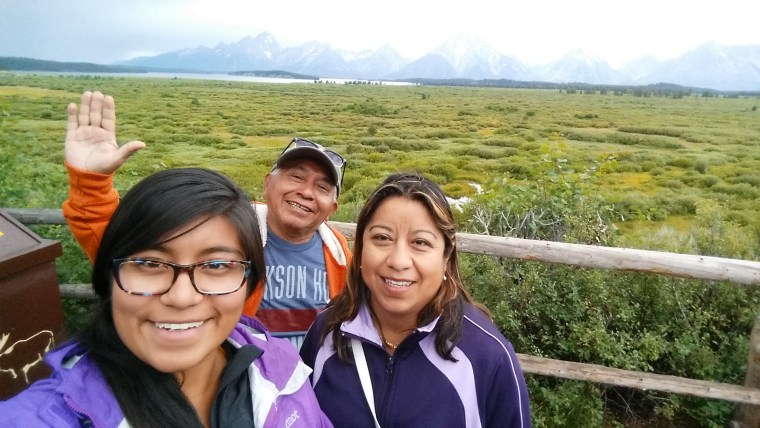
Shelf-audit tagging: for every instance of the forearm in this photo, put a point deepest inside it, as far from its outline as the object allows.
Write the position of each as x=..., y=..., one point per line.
x=91, y=202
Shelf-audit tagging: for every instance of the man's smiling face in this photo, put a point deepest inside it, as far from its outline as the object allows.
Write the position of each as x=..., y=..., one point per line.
x=300, y=197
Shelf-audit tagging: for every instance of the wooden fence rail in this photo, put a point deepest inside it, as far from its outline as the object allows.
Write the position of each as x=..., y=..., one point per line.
x=590, y=256
x=655, y=262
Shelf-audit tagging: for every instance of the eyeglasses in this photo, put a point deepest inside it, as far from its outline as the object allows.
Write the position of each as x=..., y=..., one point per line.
x=148, y=277
x=335, y=157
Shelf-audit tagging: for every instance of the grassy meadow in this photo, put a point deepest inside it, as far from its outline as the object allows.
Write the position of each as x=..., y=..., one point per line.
x=660, y=155
x=671, y=173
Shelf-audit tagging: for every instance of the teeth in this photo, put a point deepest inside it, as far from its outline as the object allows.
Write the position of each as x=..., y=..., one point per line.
x=183, y=326
x=398, y=283
x=299, y=206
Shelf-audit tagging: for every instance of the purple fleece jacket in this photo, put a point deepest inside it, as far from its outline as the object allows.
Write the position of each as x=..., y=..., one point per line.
x=415, y=387
x=77, y=393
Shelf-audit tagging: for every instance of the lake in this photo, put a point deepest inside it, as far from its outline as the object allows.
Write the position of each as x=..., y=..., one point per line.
x=218, y=76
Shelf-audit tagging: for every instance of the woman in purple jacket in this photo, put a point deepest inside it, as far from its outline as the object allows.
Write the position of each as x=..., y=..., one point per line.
x=404, y=344
x=166, y=346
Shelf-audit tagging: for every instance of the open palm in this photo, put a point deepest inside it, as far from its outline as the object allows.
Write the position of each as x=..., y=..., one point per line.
x=91, y=136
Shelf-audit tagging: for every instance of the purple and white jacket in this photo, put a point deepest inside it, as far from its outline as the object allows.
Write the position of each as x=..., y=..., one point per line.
x=415, y=387
x=76, y=394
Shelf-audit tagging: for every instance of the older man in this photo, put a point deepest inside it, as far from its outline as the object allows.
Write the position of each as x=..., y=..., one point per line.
x=305, y=258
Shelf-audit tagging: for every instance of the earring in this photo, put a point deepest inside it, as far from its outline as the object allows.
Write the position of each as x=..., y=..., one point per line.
x=444, y=276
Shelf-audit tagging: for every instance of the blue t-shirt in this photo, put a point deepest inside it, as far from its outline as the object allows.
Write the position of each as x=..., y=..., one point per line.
x=296, y=286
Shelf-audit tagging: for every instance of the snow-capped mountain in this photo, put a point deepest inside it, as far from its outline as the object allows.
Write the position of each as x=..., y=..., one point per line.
x=250, y=53
x=465, y=57
x=315, y=58
x=368, y=62
x=430, y=66
x=712, y=66
x=640, y=68
x=473, y=58
x=583, y=67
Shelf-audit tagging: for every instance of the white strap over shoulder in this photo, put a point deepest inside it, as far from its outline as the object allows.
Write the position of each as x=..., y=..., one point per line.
x=332, y=243
x=261, y=214
x=361, y=367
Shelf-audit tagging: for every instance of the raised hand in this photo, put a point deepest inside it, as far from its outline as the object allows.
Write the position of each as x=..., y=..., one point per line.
x=91, y=136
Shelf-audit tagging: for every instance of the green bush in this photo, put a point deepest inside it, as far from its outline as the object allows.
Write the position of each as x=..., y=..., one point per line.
x=741, y=190
x=481, y=153
x=632, y=321
x=681, y=162
x=668, y=132
x=708, y=181
x=369, y=108
x=751, y=179
x=701, y=166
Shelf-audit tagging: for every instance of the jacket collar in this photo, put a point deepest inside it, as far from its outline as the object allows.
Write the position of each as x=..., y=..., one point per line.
x=329, y=239
x=363, y=327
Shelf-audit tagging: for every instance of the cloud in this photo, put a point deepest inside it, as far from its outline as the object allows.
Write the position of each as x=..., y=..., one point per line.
x=533, y=31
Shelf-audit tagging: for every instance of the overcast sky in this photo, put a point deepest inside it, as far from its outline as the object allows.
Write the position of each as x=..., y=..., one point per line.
x=533, y=31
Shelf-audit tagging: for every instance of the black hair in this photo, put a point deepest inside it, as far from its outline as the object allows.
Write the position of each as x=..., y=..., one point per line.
x=152, y=211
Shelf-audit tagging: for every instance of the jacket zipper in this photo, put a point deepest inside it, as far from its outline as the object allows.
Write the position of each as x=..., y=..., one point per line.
x=77, y=410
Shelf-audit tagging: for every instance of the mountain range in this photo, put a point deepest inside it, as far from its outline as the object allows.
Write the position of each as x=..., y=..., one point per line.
x=713, y=66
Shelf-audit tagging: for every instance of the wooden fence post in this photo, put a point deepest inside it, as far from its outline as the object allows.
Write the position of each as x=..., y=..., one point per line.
x=748, y=415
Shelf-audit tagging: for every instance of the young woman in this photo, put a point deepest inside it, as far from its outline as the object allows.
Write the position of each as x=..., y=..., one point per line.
x=404, y=344
x=167, y=346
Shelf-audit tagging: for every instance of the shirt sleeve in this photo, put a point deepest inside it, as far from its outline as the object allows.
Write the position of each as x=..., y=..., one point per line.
x=254, y=300
x=91, y=202
x=507, y=401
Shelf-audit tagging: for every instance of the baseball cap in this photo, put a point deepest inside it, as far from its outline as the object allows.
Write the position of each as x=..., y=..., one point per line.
x=332, y=162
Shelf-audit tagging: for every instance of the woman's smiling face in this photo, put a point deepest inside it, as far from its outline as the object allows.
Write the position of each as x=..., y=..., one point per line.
x=402, y=260
x=181, y=329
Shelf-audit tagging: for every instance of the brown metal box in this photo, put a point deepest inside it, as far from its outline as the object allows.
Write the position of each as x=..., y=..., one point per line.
x=31, y=314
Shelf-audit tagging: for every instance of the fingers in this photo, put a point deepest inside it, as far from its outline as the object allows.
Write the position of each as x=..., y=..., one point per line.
x=84, y=109
x=109, y=114
x=130, y=148
x=96, y=109
x=71, y=123
x=124, y=153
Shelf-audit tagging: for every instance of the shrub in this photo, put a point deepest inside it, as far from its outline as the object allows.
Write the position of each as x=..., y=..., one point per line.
x=440, y=134
x=751, y=179
x=701, y=166
x=681, y=162
x=673, y=183
x=369, y=108
x=715, y=235
x=633, y=321
x=742, y=190
x=708, y=181
x=668, y=132
x=503, y=143
x=477, y=152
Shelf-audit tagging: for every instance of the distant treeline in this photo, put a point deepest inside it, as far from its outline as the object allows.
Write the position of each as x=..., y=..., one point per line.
x=29, y=64
x=656, y=89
